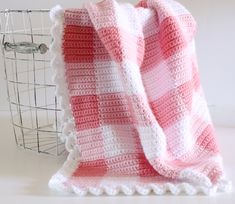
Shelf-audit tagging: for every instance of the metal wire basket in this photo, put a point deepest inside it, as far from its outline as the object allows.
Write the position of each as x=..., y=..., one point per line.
x=25, y=38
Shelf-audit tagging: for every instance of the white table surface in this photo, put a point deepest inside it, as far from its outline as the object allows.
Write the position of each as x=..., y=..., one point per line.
x=24, y=176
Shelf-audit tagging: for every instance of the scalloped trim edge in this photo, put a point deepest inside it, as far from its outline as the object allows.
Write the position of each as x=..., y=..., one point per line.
x=59, y=180
x=130, y=186
x=62, y=93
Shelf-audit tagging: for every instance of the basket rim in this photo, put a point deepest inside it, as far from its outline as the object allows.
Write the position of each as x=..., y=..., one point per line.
x=24, y=10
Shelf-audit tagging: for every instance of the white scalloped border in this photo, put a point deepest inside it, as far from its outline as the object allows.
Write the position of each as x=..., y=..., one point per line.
x=57, y=63
x=59, y=180
x=113, y=186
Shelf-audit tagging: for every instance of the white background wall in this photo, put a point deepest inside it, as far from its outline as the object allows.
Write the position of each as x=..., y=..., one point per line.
x=215, y=44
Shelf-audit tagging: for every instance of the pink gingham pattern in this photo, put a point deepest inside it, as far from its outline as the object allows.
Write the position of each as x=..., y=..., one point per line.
x=134, y=116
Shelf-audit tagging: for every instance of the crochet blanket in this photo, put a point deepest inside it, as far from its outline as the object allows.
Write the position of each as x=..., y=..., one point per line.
x=134, y=114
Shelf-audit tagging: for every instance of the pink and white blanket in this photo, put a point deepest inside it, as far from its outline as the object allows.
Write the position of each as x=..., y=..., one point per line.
x=134, y=114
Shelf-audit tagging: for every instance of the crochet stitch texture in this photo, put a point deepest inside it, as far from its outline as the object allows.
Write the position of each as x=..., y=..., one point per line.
x=134, y=114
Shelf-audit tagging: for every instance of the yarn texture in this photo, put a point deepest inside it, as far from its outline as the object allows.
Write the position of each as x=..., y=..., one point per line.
x=134, y=114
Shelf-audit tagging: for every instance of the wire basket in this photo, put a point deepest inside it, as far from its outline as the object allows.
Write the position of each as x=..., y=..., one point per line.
x=25, y=37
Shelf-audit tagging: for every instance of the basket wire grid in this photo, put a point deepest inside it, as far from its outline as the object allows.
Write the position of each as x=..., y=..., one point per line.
x=25, y=38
